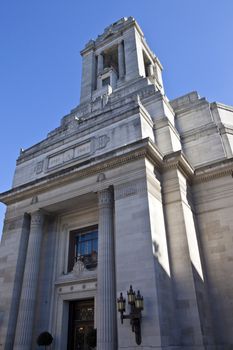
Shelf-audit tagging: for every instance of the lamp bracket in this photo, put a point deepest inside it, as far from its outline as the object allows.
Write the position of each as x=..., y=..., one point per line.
x=134, y=316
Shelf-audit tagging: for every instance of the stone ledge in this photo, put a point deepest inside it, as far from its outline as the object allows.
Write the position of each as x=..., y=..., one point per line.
x=94, y=165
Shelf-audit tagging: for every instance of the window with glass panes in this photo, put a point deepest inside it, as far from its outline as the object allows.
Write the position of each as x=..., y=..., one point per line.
x=86, y=243
x=83, y=246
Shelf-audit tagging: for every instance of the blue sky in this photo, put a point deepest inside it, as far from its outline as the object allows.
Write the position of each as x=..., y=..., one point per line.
x=40, y=65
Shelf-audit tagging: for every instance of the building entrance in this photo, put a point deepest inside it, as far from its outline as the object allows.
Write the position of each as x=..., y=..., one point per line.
x=81, y=324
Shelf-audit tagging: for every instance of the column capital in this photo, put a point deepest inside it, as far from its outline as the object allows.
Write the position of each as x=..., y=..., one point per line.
x=37, y=217
x=105, y=197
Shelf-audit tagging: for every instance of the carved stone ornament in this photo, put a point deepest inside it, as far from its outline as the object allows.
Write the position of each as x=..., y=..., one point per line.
x=101, y=177
x=37, y=218
x=105, y=198
x=78, y=151
x=130, y=189
x=39, y=167
x=78, y=268
x=34, y=200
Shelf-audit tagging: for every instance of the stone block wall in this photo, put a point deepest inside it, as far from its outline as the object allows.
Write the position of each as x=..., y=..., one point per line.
x=214, y=205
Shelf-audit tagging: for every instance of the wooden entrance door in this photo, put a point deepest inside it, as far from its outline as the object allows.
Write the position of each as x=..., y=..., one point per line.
x=81, y=322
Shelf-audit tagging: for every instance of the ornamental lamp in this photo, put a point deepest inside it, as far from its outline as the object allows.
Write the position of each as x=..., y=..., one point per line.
x=121, y=303
x=135, y=315
x=139, y=304
x=131, y=296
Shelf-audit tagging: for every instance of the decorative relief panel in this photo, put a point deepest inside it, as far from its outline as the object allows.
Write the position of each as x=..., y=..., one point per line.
x=78, y=151
x=39, y=167
x=130, y=189
x=83, y=268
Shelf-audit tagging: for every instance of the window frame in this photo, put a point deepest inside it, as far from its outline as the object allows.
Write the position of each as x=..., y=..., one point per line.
x=72, y=243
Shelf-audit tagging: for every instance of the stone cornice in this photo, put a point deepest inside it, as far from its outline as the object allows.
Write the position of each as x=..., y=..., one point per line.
x=205, y=129
x=68, y=279
x=155, y=97
x=226, y=129
x=95, y=121
x=162, y=122
x=213, y=171
x=145, y=115
x=139, y=149
x=144, y=148
x=185, y=108
x=177, y=160
x=222, y=106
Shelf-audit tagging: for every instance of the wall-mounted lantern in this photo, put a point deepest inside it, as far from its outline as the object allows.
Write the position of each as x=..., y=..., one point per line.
x=136, y=306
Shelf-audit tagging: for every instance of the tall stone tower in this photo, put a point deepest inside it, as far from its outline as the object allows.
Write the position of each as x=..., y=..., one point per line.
x=130, y=189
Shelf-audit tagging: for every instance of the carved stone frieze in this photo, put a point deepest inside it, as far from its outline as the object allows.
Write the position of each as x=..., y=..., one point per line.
x=130, y=189
x=78, y=151
x=138, y=150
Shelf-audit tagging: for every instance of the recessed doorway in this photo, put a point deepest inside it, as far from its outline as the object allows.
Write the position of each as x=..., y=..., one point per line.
x=81, y=324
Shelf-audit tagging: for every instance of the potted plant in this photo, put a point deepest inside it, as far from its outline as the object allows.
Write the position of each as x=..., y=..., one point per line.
x=44, y=339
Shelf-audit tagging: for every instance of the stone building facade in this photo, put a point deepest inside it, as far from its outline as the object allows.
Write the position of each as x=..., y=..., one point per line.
x=130, y=189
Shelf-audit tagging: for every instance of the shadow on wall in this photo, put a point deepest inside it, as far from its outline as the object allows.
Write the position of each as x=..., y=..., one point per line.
x=203, y=307
x=170, y=309
x=166, y=302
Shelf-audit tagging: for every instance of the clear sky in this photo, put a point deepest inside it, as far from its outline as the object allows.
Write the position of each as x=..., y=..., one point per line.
x=40, y=65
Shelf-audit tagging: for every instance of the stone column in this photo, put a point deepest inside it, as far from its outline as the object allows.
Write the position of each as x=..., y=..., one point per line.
x=22, y=227
x=106, y=294
x=100, y=64
x=25, y=320
x=121, y=60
